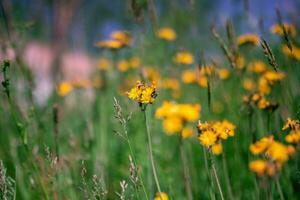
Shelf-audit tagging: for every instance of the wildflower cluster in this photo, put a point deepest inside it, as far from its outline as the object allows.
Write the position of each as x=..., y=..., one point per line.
x=212, y=133
x=142, y=93
x=118, y=39
x=176, y=116
x=274, y=155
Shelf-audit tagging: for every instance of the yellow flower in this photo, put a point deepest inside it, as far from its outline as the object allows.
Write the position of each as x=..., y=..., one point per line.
x=184, y=58
x=172, y=125
x=257, y=67
x=122, y=36
x=258, y=166
x=272, y=76
x=123, y=65
x=188, y=76
x=171, y=83
x=295, y=54
x=104, y=64
x=142, y=93
x=263, y=86
x=189, y=112
x=223, y=73
x=187, y=132
x=248, y=39
x=202, y=81
x=208, y=138
x=166, y=33
x=293, y=137
x=248, y=84
x=161, y=196
x=152, y=74
x=261, y=146
x=278, y=152
x=263, y=103
x=277, y=29
x=64, y=88
x=110, y=44
x=217, y=149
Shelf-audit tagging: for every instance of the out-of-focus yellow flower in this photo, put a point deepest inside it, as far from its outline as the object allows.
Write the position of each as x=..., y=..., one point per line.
x=211, y=133
x=172, y=125
x=291, y=124
x=248, y=39
x=278, y=152
x=208, y=138
x=263, y=103
x=202, y=81
x=123, y=65
x=104, y=63
x=217, y=149
x=258, y=166
x=110, y=44
x=175, y=115
x=277, y=29
x=206, y=70
x=134, y=62
x=248, y=84
x=257, y=67
x=64, y=88
x=142, y=93
x=293, y=137
x=272, y=76
x=161, y=196
x=122, y=36
x=261, y=145
x=184, y=58
x=263, y=86
x=187, y=132
x=295, y=54
x=166, y=33
x=188, y=76
x=223, y=74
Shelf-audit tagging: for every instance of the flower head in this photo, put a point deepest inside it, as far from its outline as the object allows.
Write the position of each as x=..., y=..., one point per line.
x=64, y=88
x=248, y=39
x=278, y=30
x=143, y=94
x=184, y=58
x=161, y=196
x=166, y=33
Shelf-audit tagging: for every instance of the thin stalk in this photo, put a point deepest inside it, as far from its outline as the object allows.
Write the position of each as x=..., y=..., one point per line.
x=208, y=174
x=228, y=183
x=186, y=172
x=151, y=153
x=217, y=178
x=279, y=189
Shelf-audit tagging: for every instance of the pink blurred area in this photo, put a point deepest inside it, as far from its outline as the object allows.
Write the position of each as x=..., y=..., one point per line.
x=41, y=57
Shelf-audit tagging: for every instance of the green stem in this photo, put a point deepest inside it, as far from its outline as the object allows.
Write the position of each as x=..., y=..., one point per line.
x=279, y=189
x=151, y=153
x=217, y=178
x=186, y=173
